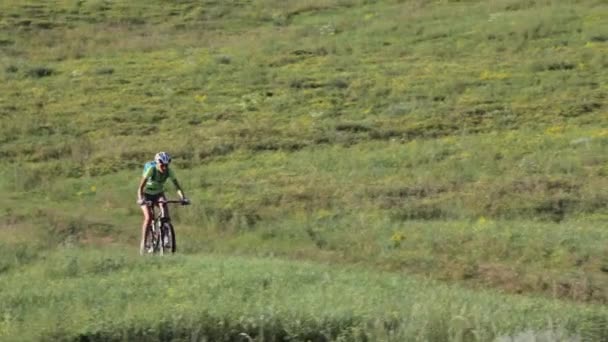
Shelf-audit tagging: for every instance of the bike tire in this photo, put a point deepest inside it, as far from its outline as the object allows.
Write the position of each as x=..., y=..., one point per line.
x=158, y=237
x=150, y=241
x=170, y=233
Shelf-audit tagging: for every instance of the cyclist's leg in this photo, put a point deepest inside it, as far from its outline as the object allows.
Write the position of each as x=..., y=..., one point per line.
x=164, y=208
x=164, y=214
x=147, y=211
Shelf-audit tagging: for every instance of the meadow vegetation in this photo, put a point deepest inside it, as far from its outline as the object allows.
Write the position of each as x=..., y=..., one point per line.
x=360, y=169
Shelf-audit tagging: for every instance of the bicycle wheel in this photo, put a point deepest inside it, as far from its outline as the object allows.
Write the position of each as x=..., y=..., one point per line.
x=157, y=237
x=150, y=241
x=168, y=238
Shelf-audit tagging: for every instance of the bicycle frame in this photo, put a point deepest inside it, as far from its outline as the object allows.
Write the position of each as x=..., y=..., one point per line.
x=160, y=234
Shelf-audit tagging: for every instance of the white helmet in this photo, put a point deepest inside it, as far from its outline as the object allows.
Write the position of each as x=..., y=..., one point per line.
x=163, y=158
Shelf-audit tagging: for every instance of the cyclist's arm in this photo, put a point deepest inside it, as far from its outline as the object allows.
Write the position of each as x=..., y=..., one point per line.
x=142, y=184
x=140, y=190
x=180, y=192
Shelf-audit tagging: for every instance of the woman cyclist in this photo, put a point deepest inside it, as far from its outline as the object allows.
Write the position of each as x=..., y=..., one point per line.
x=151, y=190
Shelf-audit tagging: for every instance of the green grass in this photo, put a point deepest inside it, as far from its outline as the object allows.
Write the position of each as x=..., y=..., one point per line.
x=110, y=295
x=463, y=142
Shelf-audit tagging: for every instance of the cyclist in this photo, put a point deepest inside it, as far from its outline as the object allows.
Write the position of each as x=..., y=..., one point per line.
x=151, y=189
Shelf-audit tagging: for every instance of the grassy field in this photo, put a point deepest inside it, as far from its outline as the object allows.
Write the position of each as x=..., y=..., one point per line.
x=430, y=170
x=111, y=295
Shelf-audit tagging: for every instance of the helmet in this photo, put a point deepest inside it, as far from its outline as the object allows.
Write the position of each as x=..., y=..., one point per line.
x=163, y=158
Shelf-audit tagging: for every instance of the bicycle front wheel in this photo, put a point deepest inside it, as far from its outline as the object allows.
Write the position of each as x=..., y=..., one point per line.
x=168, y=238
x=151, y=241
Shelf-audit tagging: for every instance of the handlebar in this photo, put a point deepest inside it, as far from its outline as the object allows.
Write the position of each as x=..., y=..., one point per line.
x=175, y=201
x=150, y=203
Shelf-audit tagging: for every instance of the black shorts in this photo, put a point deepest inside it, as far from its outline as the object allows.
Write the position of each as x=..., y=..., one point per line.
x=154, y=198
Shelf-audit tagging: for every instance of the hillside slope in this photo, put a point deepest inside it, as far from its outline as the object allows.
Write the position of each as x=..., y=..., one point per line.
x=464, y=141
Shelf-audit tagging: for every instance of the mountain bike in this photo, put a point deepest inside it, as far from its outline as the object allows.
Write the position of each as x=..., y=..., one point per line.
x=160, y=234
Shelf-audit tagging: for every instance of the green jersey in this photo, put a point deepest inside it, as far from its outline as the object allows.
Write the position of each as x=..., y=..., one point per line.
x=155, y=180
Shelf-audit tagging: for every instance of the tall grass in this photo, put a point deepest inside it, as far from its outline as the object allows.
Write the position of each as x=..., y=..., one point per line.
x=113, y=296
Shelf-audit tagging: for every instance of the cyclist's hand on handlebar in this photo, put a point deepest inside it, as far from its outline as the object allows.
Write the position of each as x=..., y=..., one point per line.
x=140, y=201
x=185, y=201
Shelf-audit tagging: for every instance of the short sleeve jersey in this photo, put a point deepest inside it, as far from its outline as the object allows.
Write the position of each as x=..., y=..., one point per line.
x=155, y=180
